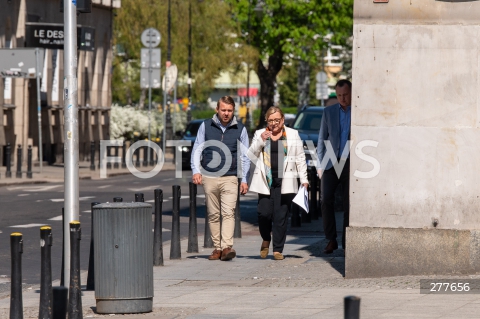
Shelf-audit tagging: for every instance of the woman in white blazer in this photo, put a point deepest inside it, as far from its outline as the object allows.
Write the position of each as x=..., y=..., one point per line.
x=277, y=152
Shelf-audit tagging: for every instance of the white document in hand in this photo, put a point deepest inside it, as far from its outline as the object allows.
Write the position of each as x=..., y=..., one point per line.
x=301, y=199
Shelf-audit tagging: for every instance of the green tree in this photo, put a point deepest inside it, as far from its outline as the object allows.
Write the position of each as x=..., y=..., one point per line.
x=215, y=46
x=287, y=29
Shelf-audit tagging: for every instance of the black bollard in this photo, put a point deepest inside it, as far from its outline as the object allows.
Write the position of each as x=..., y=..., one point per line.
x=137, y=157
x=109, y=151
x=92, y=155
x=75, y=292
x=192, y=225
x=91, y=260
x=60, y=298
x=175, y=252
x=117, y=199
x=352, y=307
x=237, y=233
x=124, y=154
x=8, y=173
x=19, y=162
x=152, y=161
x=157, y=234
x=116, y=165
x=139, y=197
x=296, y=219
x=145, y=156
x=207, y=239
x=46, y=292
x=314, y=195
x=16, y=300
x=29, y=162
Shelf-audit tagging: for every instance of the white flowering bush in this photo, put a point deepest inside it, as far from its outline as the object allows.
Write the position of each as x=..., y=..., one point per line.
x=126, y=120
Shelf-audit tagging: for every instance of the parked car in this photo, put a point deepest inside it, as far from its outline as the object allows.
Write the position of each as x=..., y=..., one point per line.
x=307, y=123
x=190, y=134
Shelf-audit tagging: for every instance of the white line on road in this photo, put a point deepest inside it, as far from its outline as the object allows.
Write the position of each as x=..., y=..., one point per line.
x=34, y=188
x=182, y=197
x=57, y=218
x=104, y=186
x=86, y=211
x=56, y=200
x=27, y=226
x=21, y=195
x=148, y=188
x=153, y=201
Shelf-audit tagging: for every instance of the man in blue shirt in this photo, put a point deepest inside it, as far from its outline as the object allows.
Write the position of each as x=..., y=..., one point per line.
x=335, y=129
x=214, y=165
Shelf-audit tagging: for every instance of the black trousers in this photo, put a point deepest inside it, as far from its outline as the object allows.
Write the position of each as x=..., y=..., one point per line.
x=329, y=183
x=273, y=215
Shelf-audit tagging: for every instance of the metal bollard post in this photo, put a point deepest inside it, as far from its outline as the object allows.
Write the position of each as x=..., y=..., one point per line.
x=117, y=199
x=16, y=300
x=109, y=152
x=314, y=195
x=19, y=162
x=29, y=162
x=139, y=197
x=92, y=155
x=352, y=307
x=8, y=173
x=175, y=252
x=152, y=161
x=137, y=157
x=75, y=292
x=60, y=297
x=207, y=239
x=116, y=165
x=91, y=260
x=124, y=154
x=192, y=225
x=46, y=292
x=237, y=233
x=296, y=219
x=157, y=234
x=145, y=154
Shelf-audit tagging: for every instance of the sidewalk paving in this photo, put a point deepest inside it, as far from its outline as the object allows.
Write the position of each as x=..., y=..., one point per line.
x=306, y=284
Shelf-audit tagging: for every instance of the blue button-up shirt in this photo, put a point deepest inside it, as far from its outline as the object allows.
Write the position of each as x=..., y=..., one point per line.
x=345, y=119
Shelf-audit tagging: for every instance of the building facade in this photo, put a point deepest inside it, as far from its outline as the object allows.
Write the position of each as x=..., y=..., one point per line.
x=39, y=23
x=415, y=190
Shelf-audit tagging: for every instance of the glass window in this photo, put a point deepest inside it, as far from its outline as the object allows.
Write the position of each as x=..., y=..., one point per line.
x=309, y=121
x=192, y=129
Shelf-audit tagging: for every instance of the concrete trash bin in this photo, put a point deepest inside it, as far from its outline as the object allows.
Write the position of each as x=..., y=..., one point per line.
x=123, y=254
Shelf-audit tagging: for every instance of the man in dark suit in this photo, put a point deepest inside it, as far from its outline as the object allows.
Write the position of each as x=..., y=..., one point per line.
x=334, y=161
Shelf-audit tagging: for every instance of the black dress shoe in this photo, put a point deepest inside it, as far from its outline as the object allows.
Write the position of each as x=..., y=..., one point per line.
x=331, y=246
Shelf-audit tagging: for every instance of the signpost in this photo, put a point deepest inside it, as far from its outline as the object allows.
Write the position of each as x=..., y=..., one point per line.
x=25, y=63
x=150, y=63
x=167, y=85
x=321, y=87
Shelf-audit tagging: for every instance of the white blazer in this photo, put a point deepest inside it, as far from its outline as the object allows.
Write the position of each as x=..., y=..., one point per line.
x=294, y=165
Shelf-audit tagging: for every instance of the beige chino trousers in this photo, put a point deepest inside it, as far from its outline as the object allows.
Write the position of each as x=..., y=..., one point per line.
x=221, y=197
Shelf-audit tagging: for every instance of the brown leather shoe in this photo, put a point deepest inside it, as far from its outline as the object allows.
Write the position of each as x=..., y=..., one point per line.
x=216, y=254
x=228, y=254
x=331, y=246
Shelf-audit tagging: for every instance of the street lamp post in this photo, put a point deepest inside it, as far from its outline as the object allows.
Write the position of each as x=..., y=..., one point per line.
x=168, y=119
x=247, y=94
x=189, y=109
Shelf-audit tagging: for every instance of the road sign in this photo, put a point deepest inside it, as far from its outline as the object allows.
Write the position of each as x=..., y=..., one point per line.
x=321, y=91
x=151, y=37
x=155, y=58
x=155, y=78
x=171, y=77
x=321, y=77
x=21, y=63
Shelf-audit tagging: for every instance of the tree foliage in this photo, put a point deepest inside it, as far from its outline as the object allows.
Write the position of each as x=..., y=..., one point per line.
x=290, y=29
x=215, y=46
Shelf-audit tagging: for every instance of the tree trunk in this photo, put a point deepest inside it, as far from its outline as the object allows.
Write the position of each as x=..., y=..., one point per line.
x=268, y=79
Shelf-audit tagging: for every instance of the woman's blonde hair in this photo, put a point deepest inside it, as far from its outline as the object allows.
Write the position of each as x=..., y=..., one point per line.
x=273, y=109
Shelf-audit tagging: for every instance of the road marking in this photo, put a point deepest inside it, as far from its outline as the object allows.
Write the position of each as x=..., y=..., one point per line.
x=182, y=197
x=163, y=230
x=57, y=218
x=86, y=211
x=148, y=188
x=34, y=188
x=21, y=195
x=27, y=226
x=39, y=200
x=104, y=186
x=153, y=201
x=57, y=200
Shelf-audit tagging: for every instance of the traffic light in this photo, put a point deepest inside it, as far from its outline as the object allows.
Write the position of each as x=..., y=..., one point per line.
x=83, y=6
